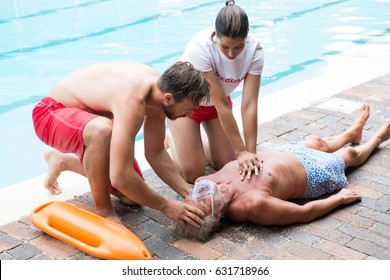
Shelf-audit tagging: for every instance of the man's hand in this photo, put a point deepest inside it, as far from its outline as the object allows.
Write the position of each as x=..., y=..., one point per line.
x=183, y=213
x=248, y=164
x=349, y=196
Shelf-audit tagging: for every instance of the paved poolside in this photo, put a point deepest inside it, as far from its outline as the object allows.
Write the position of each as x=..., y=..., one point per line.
x=354, y=232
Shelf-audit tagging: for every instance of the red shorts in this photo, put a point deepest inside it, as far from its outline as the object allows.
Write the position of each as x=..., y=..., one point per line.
x=207, y=113
x=61, y=127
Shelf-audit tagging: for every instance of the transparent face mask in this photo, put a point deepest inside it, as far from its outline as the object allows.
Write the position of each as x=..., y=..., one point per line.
x=202, y=190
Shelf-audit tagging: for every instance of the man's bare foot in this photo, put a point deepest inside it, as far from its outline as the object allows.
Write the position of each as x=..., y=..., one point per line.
x=383, y=133
x=358, y=123
x=112, y=217
x=124, y=199
x=54, y=161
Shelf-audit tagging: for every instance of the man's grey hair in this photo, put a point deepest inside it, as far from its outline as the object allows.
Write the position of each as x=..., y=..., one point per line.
x=203, y=233
x=209, y=226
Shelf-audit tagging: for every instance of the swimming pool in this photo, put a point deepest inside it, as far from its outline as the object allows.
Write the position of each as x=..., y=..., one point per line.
x=41, y=41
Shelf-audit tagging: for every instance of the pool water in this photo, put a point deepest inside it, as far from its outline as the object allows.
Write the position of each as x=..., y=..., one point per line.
x=41, y=41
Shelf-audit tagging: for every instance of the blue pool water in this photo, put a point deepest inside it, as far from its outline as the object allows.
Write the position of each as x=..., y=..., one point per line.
x=41, y=41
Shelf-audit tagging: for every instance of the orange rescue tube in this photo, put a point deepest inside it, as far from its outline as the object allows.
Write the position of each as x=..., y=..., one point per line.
x=88, y=232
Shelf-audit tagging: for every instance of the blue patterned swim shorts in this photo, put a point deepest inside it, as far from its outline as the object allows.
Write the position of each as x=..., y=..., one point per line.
x=325, y=171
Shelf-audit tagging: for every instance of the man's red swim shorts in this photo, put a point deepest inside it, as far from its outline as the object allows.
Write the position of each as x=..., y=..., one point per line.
x=61, y=127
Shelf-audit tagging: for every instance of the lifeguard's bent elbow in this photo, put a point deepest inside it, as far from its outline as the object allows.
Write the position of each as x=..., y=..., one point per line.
x=120, y=182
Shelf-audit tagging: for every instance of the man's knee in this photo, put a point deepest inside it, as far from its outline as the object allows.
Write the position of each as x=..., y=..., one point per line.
x=317, y=143
x=98, y=130
x=350, y=156
x=351, y=153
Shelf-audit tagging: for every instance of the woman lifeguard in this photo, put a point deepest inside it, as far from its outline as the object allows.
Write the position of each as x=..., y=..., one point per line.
x=227, y=55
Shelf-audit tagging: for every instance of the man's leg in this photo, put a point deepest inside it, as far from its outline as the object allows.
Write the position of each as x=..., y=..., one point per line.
x=58, y=162
x=352, y=135
x=96, y=162
x=356, y=156
x=95, y=165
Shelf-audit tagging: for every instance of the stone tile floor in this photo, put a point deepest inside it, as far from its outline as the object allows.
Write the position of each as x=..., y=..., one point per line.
x=354, y=232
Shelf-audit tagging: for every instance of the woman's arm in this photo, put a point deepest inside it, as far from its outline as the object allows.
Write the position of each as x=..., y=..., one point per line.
x=248, y=162
x=249, y=105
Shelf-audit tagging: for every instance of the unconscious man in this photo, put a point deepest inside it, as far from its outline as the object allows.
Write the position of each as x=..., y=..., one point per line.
x=306, y=170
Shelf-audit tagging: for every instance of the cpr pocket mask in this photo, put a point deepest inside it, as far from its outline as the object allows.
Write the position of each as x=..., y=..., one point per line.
x=202, y=190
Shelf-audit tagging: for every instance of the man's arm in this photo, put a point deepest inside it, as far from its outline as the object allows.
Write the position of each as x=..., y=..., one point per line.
x=123, y=176
x=158, y=157
x=268, y=210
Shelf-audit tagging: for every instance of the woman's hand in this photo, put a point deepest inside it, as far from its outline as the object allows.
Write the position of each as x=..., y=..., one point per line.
x=248, y=164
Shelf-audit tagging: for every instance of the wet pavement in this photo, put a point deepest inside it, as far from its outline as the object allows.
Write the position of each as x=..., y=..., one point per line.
x=354, y=232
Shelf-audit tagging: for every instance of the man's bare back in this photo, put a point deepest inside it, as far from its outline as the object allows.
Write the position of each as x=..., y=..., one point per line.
x=99, y=87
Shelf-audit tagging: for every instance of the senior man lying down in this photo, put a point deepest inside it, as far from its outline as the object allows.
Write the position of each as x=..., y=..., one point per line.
x=306, y=170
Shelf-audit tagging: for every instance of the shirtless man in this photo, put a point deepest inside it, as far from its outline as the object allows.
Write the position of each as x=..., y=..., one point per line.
x=305, y=170
x=96, y=112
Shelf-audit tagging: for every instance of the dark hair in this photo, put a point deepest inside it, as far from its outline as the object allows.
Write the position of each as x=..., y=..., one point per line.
x=232, y=21
x=184, y=81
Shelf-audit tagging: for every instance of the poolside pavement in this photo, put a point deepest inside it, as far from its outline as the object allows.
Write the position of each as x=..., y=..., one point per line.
x=359, y=231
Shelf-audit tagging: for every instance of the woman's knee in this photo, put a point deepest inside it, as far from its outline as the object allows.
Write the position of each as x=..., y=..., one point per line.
x=193, y=172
